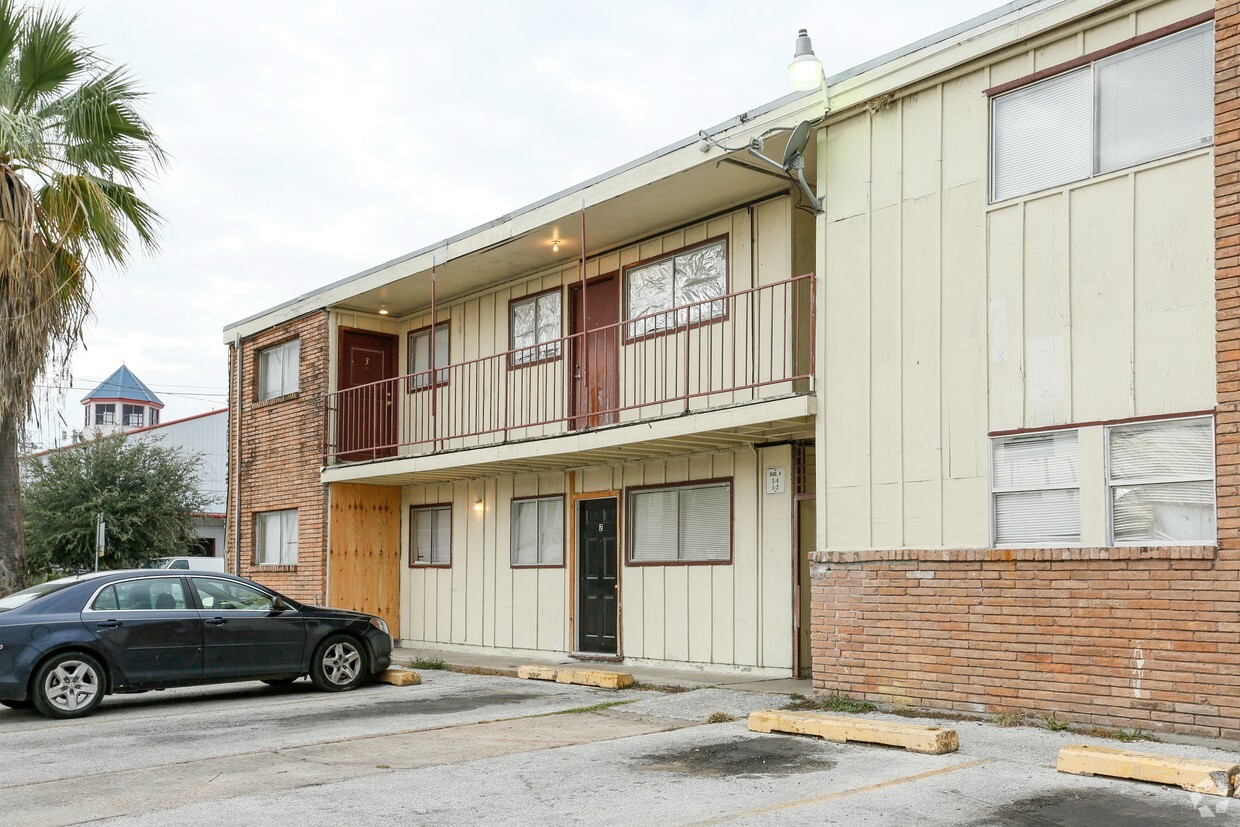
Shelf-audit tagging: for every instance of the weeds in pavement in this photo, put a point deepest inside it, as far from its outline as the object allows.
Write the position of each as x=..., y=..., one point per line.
x=828, y=703
x=719, y=717
x=426, y=663
x=1008, y=719
x=663, y=687
x=1125, y=735
x=1053, y=724
x=580, y=709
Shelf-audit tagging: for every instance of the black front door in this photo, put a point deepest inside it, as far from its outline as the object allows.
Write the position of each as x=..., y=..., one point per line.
x=244, y=633
x=597, y=585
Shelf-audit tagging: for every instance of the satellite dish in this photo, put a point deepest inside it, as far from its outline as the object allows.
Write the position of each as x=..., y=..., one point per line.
x=796, y=144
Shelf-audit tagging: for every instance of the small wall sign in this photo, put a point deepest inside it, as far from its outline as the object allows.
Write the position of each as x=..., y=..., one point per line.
x=775, y=480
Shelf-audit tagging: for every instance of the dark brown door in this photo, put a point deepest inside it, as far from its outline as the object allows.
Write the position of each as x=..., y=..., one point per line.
x=597, y=584
x=596, y=353
x=366, y=407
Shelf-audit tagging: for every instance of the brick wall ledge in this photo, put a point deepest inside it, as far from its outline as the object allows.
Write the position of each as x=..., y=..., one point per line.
x=1003, y=555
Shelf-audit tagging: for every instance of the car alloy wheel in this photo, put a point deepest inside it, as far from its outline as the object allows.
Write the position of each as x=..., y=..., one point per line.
x=69, y=686
x=340, y=664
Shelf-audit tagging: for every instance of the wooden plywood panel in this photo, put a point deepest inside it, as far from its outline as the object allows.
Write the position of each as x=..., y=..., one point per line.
x=847, y=371
x=886, y=158
x=966, y=504
x=504, y=588
x=885, y=441
x=965, y=119
x=964, y=330
x=923, y=508
x=1174, y=291
x=365, y=550
x=1048, y=316
x=775, y=547
x=848, y=168
x=551, y=609
x=1005, y=314
x=745, y=562
x=921, y=122
x=1057, y=51
x=1102, y=301
x=921, y=377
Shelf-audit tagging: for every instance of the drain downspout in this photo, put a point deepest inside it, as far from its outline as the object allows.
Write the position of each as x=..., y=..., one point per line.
x=236, y=475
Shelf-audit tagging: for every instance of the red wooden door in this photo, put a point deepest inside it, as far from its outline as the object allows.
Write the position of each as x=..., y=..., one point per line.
x=595, y=379
x=366, y=408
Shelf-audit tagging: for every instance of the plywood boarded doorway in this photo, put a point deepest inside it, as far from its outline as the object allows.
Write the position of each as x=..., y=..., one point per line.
x=364, y=558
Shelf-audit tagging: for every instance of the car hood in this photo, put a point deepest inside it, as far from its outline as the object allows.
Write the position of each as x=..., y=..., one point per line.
x=341, y=614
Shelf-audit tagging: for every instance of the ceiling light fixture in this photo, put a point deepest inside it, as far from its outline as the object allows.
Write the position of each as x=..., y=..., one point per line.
x=555, y=245
x=383, y=311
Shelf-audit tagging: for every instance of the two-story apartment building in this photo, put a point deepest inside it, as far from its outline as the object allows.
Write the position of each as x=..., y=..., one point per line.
x=975, y=398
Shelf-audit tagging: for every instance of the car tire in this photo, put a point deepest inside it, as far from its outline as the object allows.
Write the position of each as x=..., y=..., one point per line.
x=68, y=685
x=339, y=664
x=17, y=704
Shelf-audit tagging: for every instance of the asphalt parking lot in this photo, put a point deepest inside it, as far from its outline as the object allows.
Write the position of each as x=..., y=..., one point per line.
x=467, y=749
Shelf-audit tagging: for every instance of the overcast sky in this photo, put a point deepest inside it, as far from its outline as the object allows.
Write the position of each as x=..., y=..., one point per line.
x=311, y=140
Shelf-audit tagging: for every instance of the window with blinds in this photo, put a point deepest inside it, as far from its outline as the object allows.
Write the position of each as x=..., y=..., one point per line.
x=420, y=356
x=687, y=524
x=1144, y=103
x=538, y=532
x=430, y=542
x=1160, y=478
x=275, y=538
x=278, y=369
x=1035, y=484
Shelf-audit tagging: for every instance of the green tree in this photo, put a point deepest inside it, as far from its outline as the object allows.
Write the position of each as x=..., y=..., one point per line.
x=147, y=492
x=74, y=156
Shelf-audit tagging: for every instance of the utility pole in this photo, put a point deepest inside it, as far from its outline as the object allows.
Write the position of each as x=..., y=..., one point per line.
x=101, y=539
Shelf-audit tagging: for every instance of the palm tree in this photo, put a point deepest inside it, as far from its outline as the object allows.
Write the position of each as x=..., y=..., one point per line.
x=74, y=155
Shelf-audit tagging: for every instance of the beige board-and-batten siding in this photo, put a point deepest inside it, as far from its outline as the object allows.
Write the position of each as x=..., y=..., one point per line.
x=767, y=242
x=734, y=614
x=948, y=317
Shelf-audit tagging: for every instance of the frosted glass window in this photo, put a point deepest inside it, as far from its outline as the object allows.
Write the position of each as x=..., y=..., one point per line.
x=1156, y=100
x=538, y=532
x=1161, y=481
x=278, y=369
x=687, y=280
x=276, y=538
x=420, y=356
x=1036, y=488
x=431, y=542
x=535, y=328
x=687, y=524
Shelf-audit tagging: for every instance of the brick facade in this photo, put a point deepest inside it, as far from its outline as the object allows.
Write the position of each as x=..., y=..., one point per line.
x=1132, y=637
x=281, y=453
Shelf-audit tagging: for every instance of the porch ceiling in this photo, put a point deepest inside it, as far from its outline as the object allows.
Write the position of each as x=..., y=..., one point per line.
x=774, y=420
x=702, y=190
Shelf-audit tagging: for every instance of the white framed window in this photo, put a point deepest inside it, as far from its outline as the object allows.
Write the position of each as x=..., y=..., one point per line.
x=105, y=414
x=690, y=277
x=275, y=538
x=420, y=356
x=538, y=531
x=535, y=325
x=1035, y=489
x=1144, y=103
x=279, y=369
x=430, y=535
x=1160, y=482
x=681, y=524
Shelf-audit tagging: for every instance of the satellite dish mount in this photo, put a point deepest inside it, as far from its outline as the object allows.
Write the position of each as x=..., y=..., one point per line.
x=793, y=164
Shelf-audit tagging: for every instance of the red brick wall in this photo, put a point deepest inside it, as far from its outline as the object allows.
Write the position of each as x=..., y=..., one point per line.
x=281, y=452
x=1145, y=638
x=1130, y=637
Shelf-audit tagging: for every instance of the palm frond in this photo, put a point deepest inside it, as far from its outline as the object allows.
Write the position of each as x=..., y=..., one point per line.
x=49, y=54
x=11, y=18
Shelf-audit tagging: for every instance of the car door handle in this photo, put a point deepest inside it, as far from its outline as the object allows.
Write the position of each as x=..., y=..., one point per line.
x=214, y=621
x=107, y=624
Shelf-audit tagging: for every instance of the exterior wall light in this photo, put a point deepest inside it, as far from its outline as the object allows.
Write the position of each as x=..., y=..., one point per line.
x=805, y=68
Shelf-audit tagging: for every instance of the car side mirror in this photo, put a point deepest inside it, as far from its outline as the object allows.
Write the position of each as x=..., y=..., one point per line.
x=281, y=605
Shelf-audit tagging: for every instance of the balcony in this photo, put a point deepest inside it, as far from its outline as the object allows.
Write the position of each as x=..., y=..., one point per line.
x=742, y=349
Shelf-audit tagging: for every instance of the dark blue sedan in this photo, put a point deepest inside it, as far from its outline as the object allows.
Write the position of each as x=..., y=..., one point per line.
x=67, y=643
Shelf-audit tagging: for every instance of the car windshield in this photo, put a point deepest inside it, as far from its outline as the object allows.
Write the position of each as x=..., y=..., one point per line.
x=18, y=599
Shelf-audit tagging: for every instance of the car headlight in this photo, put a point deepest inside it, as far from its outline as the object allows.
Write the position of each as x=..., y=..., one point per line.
x=380, y=624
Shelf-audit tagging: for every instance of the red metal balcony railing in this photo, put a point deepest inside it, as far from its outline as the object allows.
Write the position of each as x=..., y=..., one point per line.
x=734, y=349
